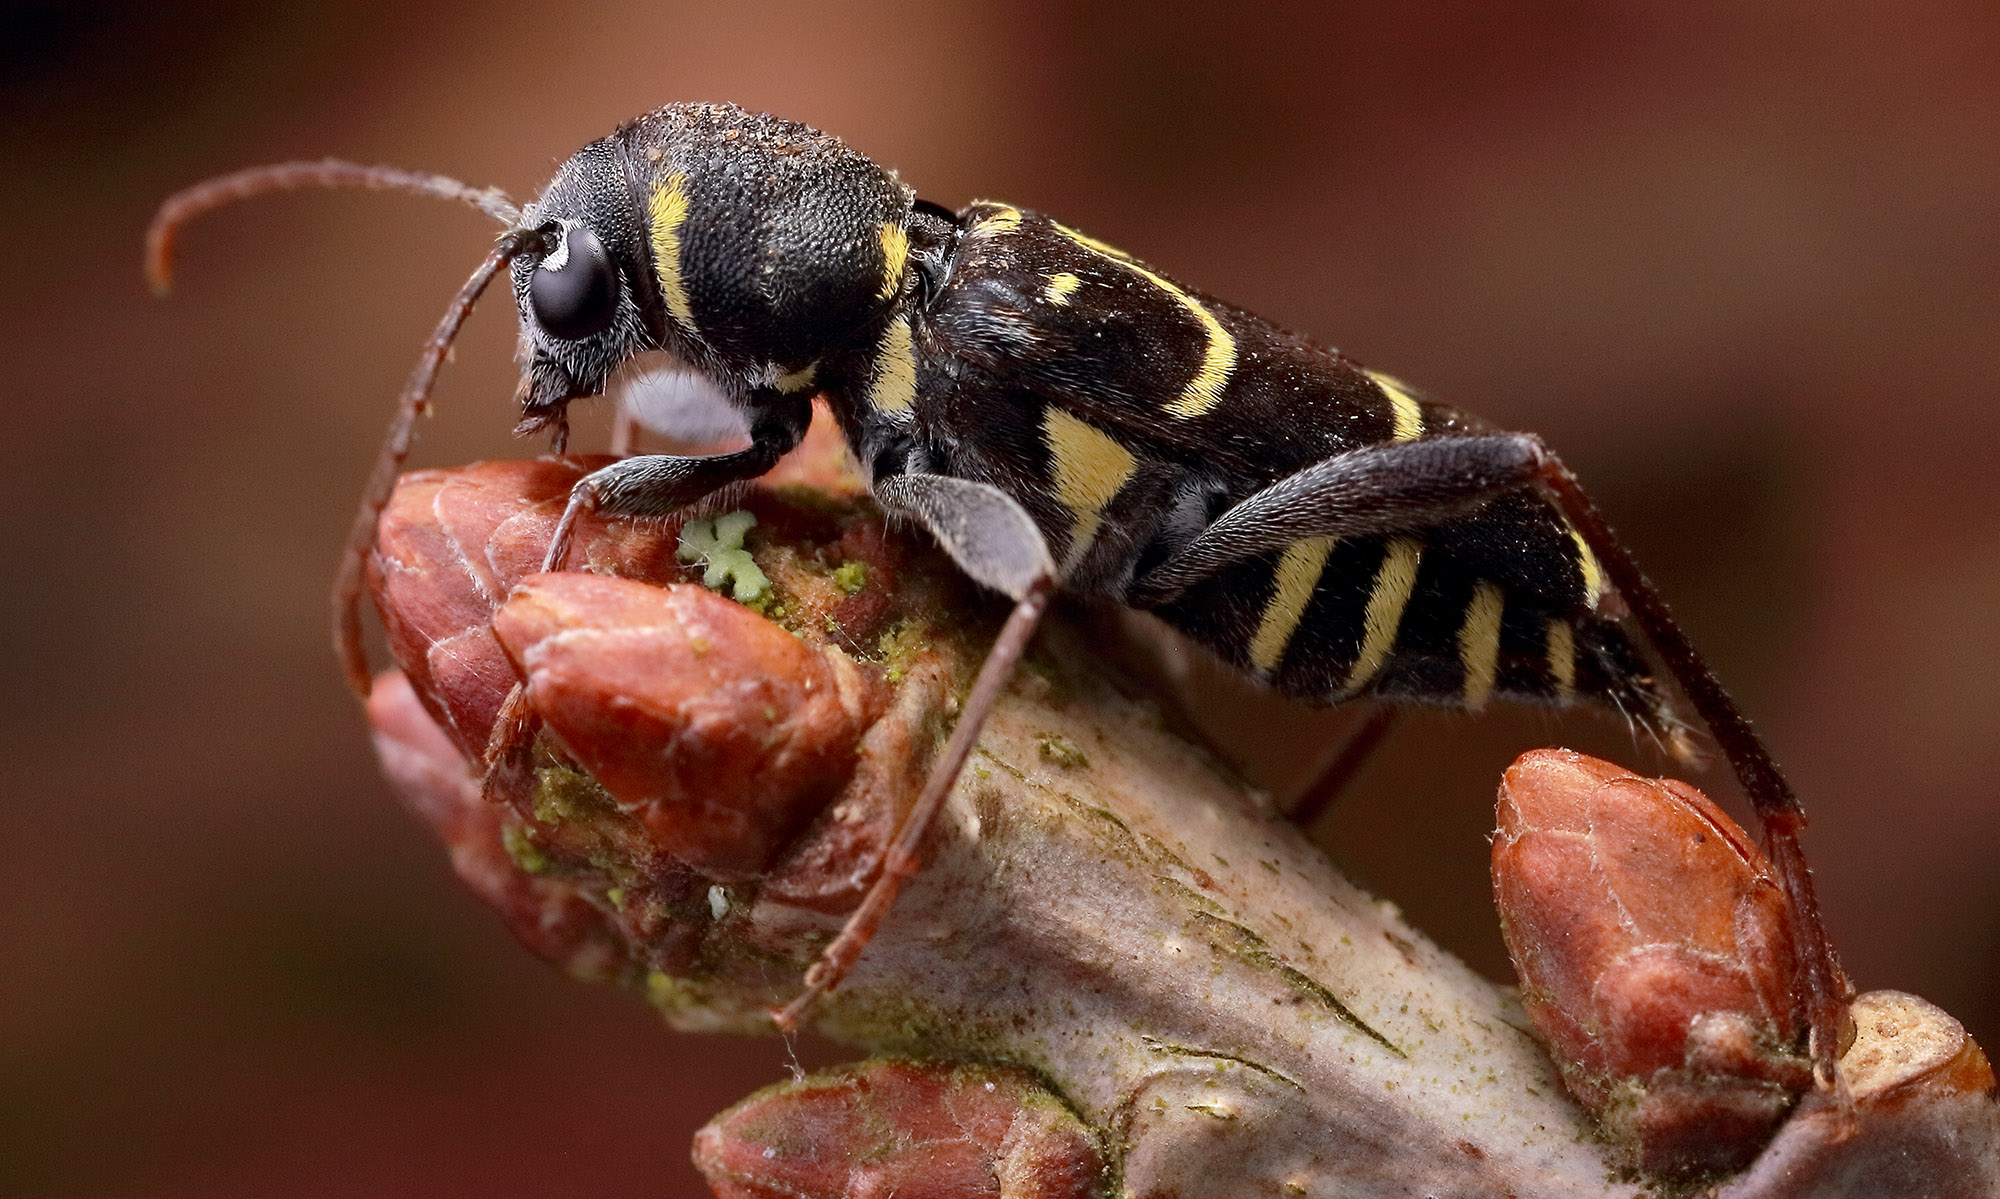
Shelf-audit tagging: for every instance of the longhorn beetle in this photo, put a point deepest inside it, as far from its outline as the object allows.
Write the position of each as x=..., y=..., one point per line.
x=1058, y=414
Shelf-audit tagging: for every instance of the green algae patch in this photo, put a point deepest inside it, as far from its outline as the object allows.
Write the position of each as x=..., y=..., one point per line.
x=850, y=577
x=1061, y=751
x=717, y=547
x=564, y=795
x=812, y=498
x=1247, y=947
x=524, y=852
x=899, y=647
x=669, y=995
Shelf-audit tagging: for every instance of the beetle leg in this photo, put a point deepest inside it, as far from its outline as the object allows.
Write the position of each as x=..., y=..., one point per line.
x=650, y=485
x=1826, y=986
x=984, y=530
x=351, y=582
x=1312, y=802
x=662, y=484
x=508, y=762
x=1375, y=489
x=996, y=543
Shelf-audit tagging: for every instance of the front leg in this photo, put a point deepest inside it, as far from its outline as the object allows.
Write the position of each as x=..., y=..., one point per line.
x=652, y=485
x=662, y=484
x=992, y=539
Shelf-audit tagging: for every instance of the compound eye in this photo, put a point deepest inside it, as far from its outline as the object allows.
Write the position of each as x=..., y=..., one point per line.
x=574, y=291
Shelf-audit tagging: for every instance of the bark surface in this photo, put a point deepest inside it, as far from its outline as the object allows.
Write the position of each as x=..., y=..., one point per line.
x=1166, y=959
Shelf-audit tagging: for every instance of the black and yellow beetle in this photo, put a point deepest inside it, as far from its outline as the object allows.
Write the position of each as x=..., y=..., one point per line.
x=1061, y=415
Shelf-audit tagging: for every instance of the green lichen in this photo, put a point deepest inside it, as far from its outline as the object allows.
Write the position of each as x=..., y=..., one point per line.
x=670, y=995
x=1247, y=947
x=899, y=646
x=525, y=853
x=1061, y=751
x=717, y=545
x=564, y=796
x=851, y=577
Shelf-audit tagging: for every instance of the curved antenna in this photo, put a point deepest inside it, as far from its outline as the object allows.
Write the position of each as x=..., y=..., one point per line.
x=413, y=403
x=188, y=203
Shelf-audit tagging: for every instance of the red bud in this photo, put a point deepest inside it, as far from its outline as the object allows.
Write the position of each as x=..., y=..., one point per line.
x=719, y=731
x=913, y=1130
x=1655, y=955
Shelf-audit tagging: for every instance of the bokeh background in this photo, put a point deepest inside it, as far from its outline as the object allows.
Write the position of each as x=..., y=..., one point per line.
x=1741, y=263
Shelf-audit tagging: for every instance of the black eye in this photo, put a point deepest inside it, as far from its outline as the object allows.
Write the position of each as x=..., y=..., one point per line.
x=575, y=290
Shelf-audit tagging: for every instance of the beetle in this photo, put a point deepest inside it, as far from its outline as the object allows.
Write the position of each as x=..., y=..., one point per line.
x=1060, y=415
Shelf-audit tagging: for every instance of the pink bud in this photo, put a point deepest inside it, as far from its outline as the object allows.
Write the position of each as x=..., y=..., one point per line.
x=722, y=734
x=912, y=1130
x=1655, y=955
x=550, y=917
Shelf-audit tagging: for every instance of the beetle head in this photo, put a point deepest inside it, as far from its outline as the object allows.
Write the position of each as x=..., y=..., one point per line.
x=744, y=245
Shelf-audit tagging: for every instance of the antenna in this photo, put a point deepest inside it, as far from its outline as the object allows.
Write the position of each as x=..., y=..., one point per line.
x=188, y=203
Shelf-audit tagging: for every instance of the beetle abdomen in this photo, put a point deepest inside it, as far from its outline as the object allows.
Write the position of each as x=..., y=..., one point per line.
x=1419, y=618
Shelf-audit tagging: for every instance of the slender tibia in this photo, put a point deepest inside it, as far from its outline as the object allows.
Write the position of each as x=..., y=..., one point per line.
x=1778, y=809
x=1354, y=752
x=905, y=853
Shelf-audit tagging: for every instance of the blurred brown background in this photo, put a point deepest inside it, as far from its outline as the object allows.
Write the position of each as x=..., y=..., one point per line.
x=1741, y=263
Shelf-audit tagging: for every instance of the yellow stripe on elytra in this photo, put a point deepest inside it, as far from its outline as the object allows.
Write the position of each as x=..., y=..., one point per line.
x=668, y=209
x=1087, y=466
x=1561, y=653
x=994, y=223
x=1297, y=575
x=798, y=380
x=1594, y=586
x=1395, y=579
x=1061, y=286
x=1218, y=355
x=895, y=259
x=895, y=387
x=1403, y=407
x=1090, y=243
x=1479, y=642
